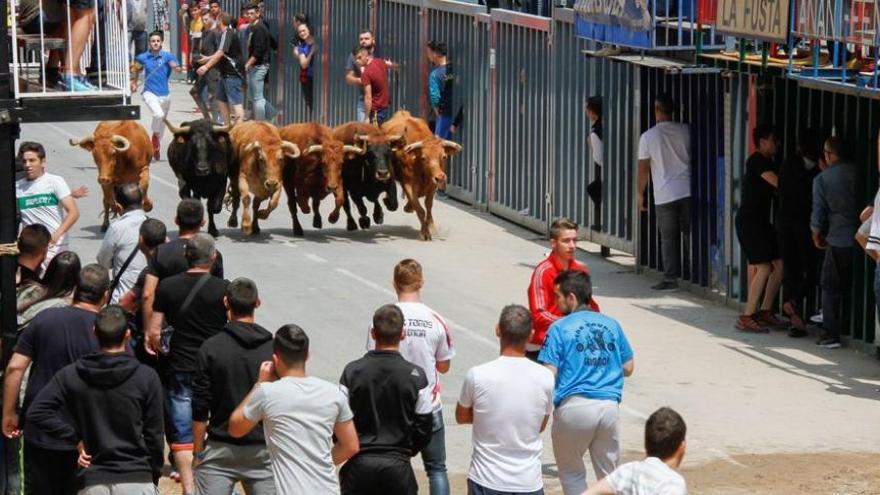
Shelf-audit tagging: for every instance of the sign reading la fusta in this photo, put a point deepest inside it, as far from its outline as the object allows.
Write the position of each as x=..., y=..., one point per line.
x=763, y=19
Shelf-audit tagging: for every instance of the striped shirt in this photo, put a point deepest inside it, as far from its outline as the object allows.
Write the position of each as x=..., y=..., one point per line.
x=649, y=477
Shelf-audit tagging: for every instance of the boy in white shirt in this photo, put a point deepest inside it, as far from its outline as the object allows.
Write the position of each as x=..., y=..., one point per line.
x=508, y=401
x=656, y=475
x=429, y=345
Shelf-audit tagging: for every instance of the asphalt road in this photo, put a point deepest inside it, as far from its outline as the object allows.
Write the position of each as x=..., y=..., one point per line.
x=739, y=393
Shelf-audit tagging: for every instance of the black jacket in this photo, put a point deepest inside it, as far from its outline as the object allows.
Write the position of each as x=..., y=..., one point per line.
x=259, y=43
x=115, y=407
x=391, y=406
x=227, y=367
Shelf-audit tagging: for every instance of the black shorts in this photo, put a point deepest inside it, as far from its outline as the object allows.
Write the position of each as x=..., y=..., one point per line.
x=757, y=239
x=367, y=474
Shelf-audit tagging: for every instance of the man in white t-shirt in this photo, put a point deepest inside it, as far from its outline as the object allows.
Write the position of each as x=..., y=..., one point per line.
x=300, y=415
x=508, y=401
x=665, y=446
x=429, y=345
x=45, y=199
x=665, y=158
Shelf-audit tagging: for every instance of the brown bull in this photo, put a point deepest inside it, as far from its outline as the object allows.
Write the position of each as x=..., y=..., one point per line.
x=122, y=152
x=420, y=166
x=257, y=169
x=317, y=173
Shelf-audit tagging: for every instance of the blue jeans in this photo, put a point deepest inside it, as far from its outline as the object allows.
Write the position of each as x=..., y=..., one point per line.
x=443, y=127
x=139, y=40
x=434, y=457
x=180, y=401
x=475, y=489
x=361, y=114
x=229, y=90
x=263, y=110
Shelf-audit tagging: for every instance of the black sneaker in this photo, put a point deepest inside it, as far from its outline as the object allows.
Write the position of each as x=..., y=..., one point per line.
x=665, y=286
x=825, y=341
x=831, y=344
x=797, y=333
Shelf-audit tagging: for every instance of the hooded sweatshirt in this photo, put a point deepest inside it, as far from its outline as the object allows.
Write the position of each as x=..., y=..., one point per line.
x=114, y=406
x=227, y=367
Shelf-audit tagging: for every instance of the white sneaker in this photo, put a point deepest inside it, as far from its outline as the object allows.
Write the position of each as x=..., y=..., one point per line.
x=817, y=318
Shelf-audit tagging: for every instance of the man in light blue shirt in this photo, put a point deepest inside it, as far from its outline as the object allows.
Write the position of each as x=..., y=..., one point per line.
x=157, y=65
x=120, y=250
x=590, y=356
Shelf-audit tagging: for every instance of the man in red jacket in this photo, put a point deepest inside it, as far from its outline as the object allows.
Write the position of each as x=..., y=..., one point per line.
x=542, y=299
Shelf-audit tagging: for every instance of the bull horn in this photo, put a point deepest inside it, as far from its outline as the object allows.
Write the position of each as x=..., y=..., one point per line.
x=252, y=146
x=450, y=144
x=361, y=137
x=221, y=128
x=395, y=137
x=414, y=146
x=291, y=150
x=81, y=141
x=120, y=142
x=175, y=130
x=347, y=148
x=315, y=148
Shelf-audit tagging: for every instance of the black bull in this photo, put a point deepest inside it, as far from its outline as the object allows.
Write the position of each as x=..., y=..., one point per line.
x=201, y=156
x=368, y=176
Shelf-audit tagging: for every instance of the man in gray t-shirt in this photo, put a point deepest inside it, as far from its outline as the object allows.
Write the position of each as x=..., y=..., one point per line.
x=300, y=415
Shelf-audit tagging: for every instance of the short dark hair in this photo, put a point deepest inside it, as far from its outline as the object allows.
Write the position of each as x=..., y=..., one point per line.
x=358, y=49
x=226, y=18
x=33, y=147
x=560, y=224
x=200, y=250
x=158, y=33
x=763, y=131
x=33, y=239
x=388, y=324
x=252, y=6
x=575, y=282
x=663, y=102
x=664, y=432
x=93, y=282
x=128, y=195
x=190, y=214
x=594, y=104
x=111, y=325
x=515, y=324
x=366, y=30
x=836, y=145
x=291, y=344
x=212, y=2
x=153, y=232
x=301, y=18
x=242, y=296
x=438, y=47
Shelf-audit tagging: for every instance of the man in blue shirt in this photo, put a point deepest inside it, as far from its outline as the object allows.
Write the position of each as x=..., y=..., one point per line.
x=440, y=89
x=590, y=356
x=157, y=65
x=834, y=221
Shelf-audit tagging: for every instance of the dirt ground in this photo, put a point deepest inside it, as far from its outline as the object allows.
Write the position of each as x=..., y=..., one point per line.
x=778, y=474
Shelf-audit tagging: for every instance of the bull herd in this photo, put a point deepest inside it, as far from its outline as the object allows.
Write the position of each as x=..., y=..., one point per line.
x=247, y=164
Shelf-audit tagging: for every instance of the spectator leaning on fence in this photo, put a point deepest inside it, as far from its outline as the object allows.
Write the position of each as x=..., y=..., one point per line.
x=872, y=238
x=665, y=160
x=835, y=220
x=594, y=188
x=305, y=49
x=259, y=50
x=440, y=86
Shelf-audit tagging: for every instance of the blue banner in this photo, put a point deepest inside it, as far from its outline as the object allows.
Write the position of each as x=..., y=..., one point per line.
x=632, y=15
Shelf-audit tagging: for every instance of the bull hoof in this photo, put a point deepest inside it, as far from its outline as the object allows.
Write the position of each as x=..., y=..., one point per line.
x=350, y=224
x=334, y=217
x=297, y=230
x=148, y=205
x=214, y=232
x=105, y=226
x=390, y=203
x=364, y=222
x=425, y=235
x=317, y=222
x=263, y=214
x=232, y=222
x=255, y=230
x=408, y=207
x=378, y=216
x=246, y=230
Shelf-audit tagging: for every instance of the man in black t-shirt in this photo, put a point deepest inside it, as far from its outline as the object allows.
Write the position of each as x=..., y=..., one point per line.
x=229, y=60
x=168, y=259
x=259, y=49
x=211, y=79
x=55, y=338
x=192, y=302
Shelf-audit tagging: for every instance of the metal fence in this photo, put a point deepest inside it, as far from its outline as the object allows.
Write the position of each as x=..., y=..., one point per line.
x=343, y=20
x=401, y=33
x=466, y=29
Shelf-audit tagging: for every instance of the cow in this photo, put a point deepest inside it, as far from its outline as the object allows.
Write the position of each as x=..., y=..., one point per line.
x=317, y=173
x=122, y=152
x=201, y=156
x=420, y=165
x=260, y=155
x=368, y=175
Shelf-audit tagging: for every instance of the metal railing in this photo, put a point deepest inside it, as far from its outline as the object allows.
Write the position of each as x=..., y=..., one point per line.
x=48, y=61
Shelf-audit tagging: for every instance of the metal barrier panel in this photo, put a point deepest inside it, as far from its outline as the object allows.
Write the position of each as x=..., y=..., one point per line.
x=286, y=88
x=519, y=176
x=400, y=35
x=700, y=102
x=343, y=20
x=465, y=30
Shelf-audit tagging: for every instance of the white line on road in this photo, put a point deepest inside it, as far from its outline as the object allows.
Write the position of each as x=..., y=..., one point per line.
x=458, y=328
x=314, y=257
